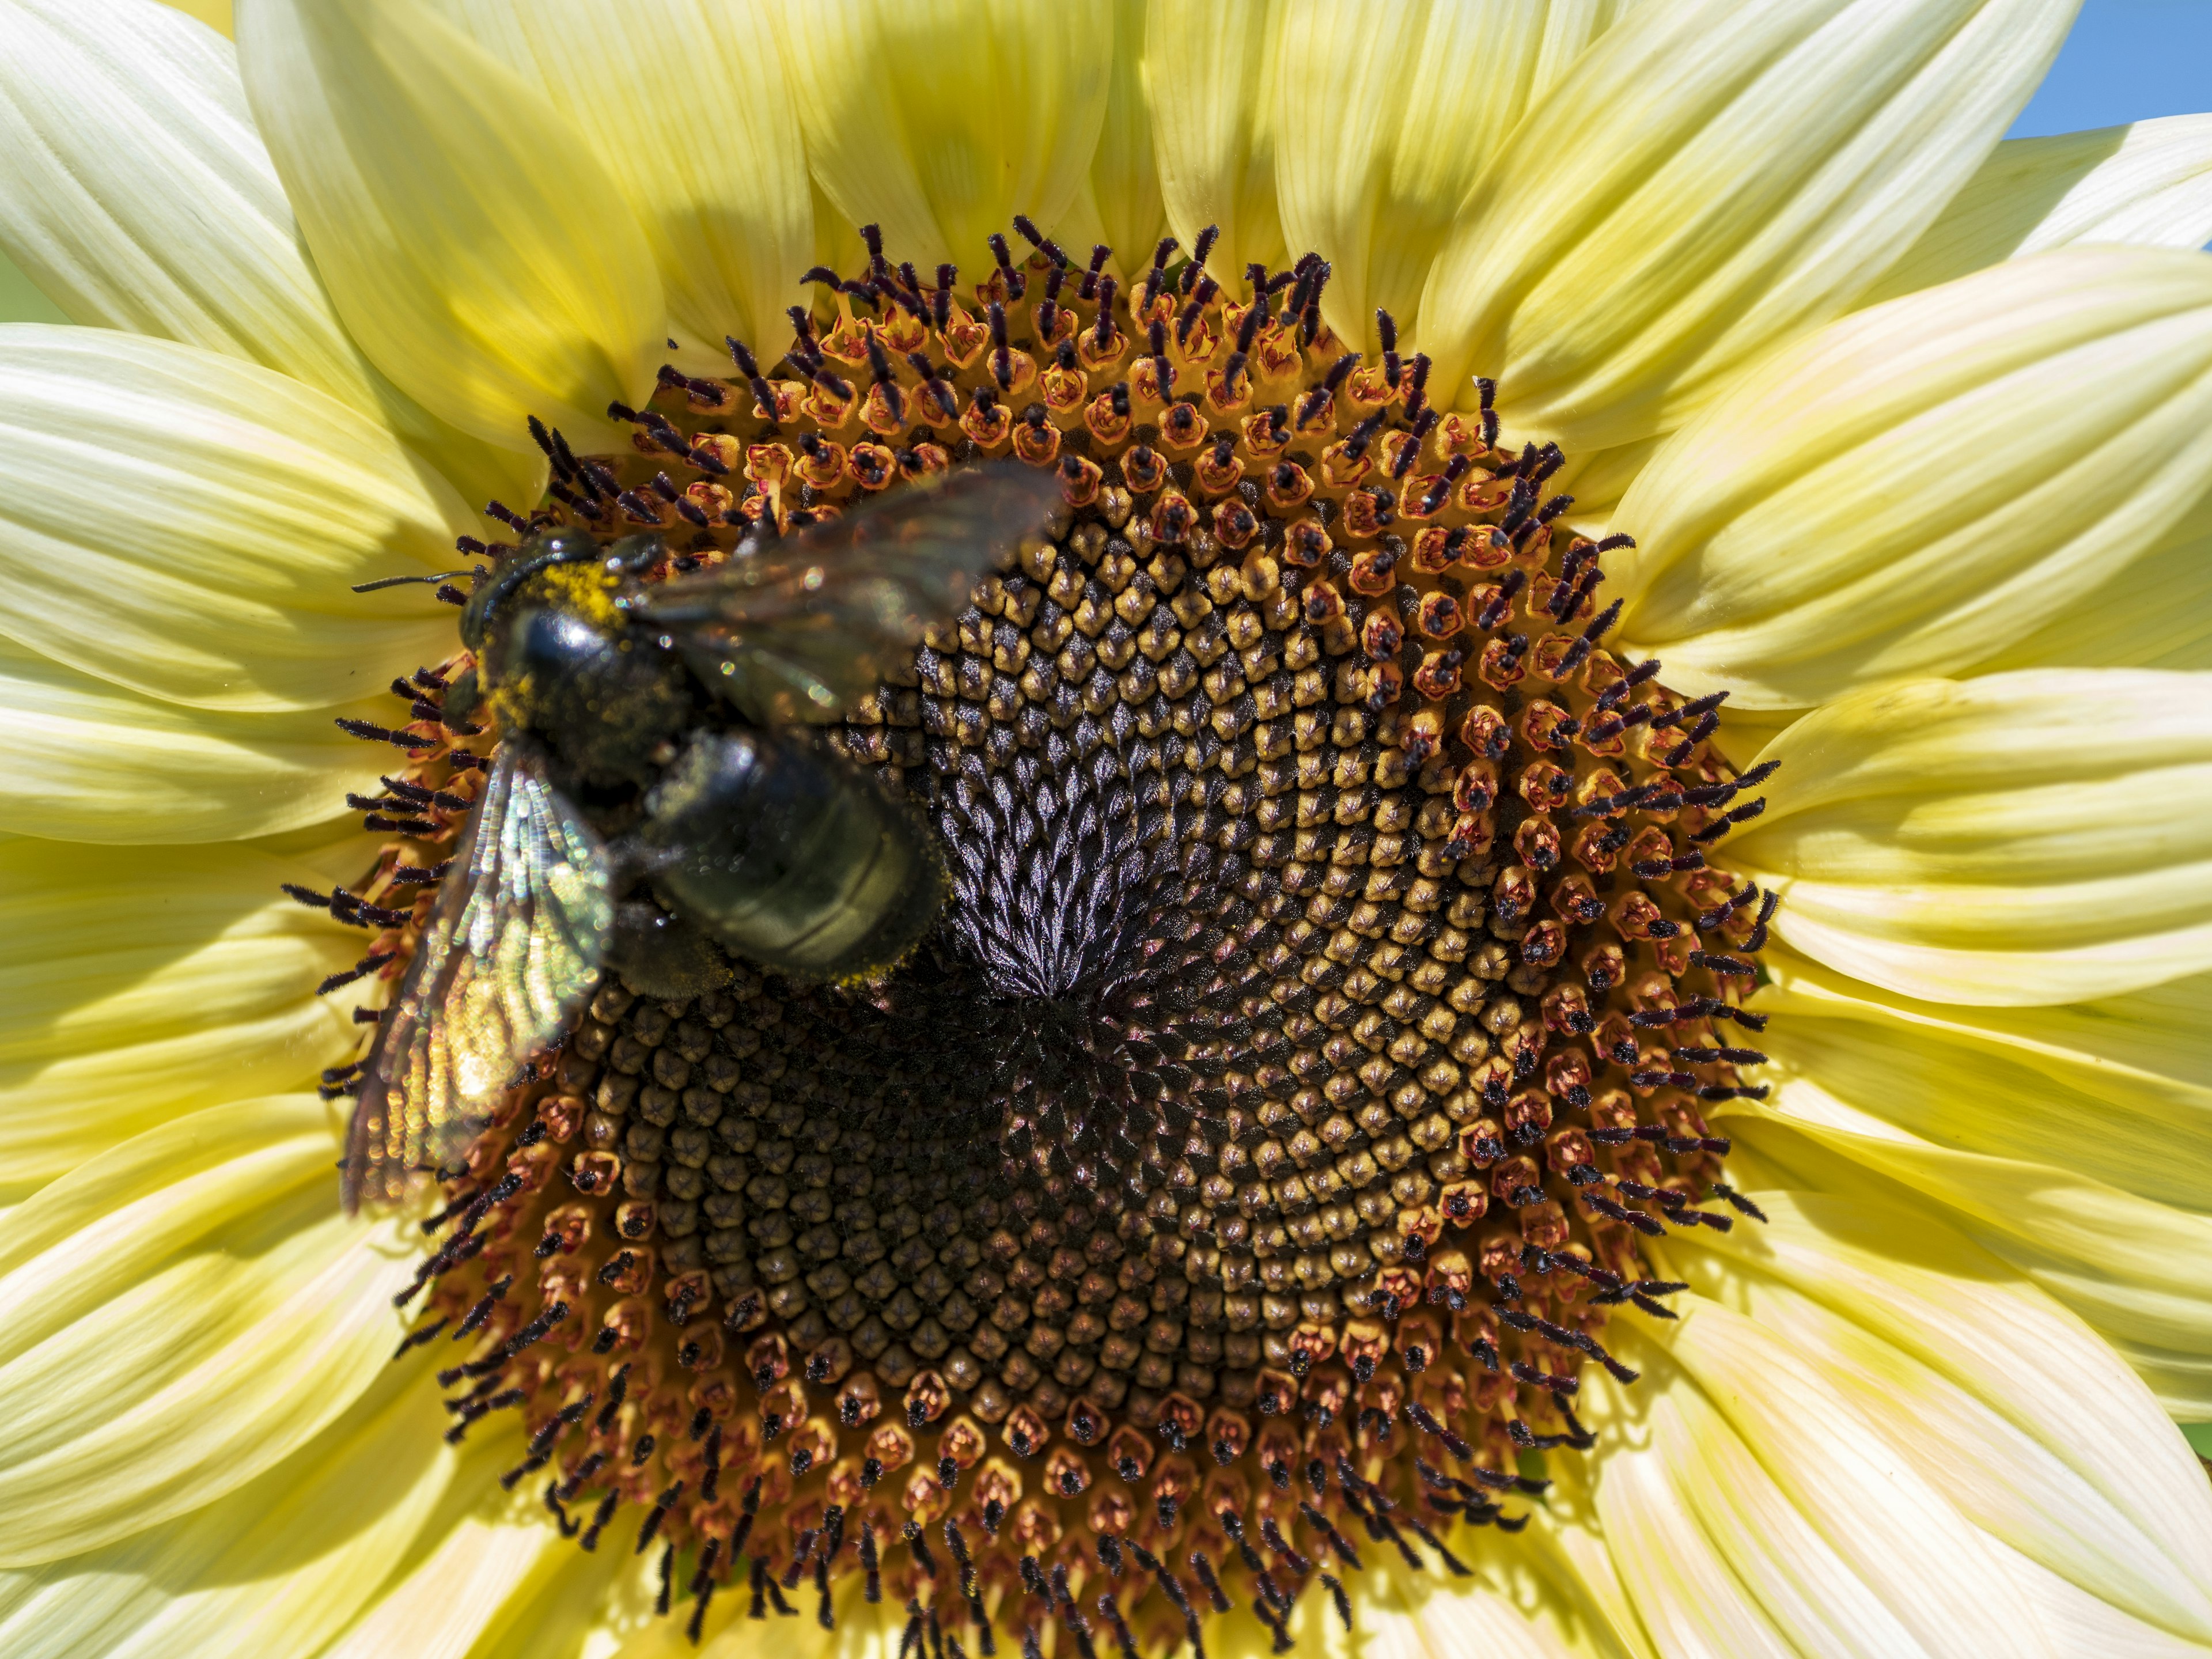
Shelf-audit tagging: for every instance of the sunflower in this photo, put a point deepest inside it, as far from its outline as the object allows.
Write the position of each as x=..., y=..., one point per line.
x=1644, y=578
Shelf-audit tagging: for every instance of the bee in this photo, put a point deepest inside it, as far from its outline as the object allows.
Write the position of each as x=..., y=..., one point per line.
x=655, y=738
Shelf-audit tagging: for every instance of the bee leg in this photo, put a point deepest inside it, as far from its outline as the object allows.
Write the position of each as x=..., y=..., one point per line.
x=662, y=955
x=463, y=698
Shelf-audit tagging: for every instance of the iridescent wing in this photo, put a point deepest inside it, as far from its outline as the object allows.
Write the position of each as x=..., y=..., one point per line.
x=511, y=952
x=801, y=629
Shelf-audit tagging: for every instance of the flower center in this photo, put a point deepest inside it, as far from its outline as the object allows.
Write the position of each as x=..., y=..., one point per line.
x=1239, y=1177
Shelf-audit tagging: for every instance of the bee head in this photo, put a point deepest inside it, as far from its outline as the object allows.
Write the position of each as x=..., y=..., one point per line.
x=560, y=547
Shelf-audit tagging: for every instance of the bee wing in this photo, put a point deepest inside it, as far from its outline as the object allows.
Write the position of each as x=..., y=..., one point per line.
x=511, y=951
x=801, y=629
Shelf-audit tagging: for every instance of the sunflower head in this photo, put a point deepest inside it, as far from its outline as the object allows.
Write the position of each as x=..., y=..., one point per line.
x=1541, y=993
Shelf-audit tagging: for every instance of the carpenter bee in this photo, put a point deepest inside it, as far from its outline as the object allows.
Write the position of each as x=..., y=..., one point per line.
x=653, y=738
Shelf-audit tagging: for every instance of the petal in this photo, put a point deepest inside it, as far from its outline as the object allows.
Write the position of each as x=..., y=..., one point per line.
x=220, y=577
x=1981, y=1381
x=487, y=1574
x=278, y=1566
x=98, y=763
x=1916, y=487
x=1459, y=1621
x=133, y=989
x=2138, y=1063
x=1599, y=479
x=567, y=1609
x=1745, y=731
x=474, y=246
x=2147, y=182
x=1657, y=1574
x=1510, y=1607
x=181, y=1314
x=216, y=14
x=1736, y=1485
x=2081, y=1621
x=836, y=243
x=2157, y=613
x=20, y=298
x=2033, y=838
x=2125, y=1265
x=1124, y=174
x=1518, y=1603
x=1121, y=204
x=1385, y=115
x=2094, y=1108
x=686, y=105
x=139, y=194
x=1210, y=70
x=1707, y=181
x=941, y=122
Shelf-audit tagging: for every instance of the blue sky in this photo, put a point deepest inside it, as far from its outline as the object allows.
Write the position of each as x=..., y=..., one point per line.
x=2126, y=59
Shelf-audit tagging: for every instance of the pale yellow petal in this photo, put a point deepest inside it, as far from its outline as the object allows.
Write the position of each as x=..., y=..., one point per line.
x=1982, y=1380
x=687, y=104
x=2146, y=1055
x=1566, y=1537
x=220, y=574
x=1385, y=114
x=1965, y=1097
x=572, y=1609
x=1708, y=181
x=2126, y=1266
x=2107, y=1099
x=276, y=1567
x=1734, y=1484
x=1912, y=489
x=2147, y=182
x=940, y=122
x=2156, y=188
x=1672, y=1583
x=216, y=14
x=1458, y=1621
x=2023, y=838
x=2078, y=1621
x=1597, y=479
x=473, y=243
x=1522, y=1600
x=134, y=987
x=1209, y=71
x=1122, y=201
x=1745, y=731
x=22, y=300
x=181, y=1314
x=488, y=1573
x=137, y=191
x=94, y=762
x=2157, y=613
x=1356, y=87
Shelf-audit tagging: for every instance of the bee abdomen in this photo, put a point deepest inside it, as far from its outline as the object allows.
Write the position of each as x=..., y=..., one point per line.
x=791, y=856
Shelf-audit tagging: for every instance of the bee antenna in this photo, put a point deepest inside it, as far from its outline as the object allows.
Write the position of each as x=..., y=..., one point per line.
x=401, y=581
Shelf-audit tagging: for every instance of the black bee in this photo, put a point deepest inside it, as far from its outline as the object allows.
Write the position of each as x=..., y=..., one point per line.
x=652, y=737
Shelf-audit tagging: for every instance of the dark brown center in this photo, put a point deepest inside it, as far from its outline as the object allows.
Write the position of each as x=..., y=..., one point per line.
x=1239, y=1178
